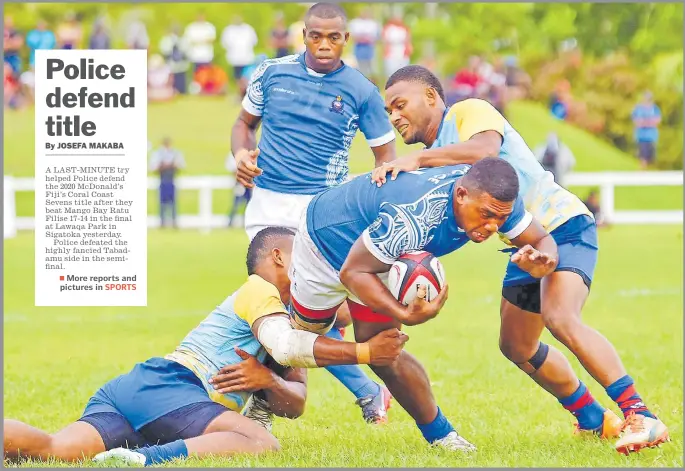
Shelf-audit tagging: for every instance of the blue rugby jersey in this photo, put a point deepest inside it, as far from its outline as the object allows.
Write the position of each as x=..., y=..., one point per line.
x=309, y=121
x=413, y=212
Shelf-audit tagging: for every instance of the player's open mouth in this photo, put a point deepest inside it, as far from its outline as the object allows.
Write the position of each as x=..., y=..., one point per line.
x=402, y=128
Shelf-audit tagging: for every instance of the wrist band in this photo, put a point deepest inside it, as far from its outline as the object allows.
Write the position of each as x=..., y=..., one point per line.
x=363, y=354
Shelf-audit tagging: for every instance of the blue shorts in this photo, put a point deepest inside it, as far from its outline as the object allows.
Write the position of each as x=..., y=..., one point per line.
x=158, y=401
x=577, y=245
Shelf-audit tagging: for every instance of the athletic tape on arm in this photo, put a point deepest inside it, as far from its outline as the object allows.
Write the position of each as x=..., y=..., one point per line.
x=287, y=346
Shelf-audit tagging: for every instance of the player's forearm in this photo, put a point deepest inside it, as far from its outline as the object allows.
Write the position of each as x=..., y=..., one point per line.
x=286, y=398
x=373, y=293
x=243, y=137
x=468, y=152
x=330, y=352
x=547, y=245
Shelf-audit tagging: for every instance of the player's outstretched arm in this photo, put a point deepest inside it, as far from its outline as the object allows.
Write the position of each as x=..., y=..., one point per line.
x=359, y=274
x=479, y=146
x=302, y=349
x=286, y=392
x=244, y=147
x=537, y=253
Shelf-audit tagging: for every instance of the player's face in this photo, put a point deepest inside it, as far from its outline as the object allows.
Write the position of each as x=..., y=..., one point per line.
x=479, y=214
x=409, y=106
x=325, y=40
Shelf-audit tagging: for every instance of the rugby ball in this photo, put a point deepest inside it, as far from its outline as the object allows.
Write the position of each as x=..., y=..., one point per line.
x=412, y=270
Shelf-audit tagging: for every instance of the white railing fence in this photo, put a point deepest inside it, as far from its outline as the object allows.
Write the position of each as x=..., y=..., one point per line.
x=205, y=219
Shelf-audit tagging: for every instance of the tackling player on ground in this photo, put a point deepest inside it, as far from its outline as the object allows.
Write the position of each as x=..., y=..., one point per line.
x=310, y=107
x=466, y=133
x=352, y=234
x=188, y=403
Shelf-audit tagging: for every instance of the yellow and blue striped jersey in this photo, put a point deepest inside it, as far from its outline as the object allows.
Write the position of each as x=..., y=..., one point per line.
x=210, y=346
x=551, y=204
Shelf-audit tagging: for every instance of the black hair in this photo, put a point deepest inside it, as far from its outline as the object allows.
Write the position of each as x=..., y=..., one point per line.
x=493, y=176
x=263, y=243
x=327, y=11
x=416, y=73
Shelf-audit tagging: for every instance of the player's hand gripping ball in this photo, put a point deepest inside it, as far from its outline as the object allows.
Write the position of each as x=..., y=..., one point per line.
x=413, y=270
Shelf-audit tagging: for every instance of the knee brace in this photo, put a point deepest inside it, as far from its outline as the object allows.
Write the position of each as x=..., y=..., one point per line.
x=536, y=361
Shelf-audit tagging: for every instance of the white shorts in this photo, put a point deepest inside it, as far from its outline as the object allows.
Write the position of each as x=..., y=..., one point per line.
x=315, y=285
x=272, y=209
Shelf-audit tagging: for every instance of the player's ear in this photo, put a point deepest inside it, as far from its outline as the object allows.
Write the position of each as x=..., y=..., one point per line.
x=431, y=96
x=461, y=193
x=277, y=257
x=347, y=37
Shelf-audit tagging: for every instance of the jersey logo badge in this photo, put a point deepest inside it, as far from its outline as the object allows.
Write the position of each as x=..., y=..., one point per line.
x=337, y=105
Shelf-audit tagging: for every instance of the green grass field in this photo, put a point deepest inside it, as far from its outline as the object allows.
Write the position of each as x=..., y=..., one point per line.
x=55, y=358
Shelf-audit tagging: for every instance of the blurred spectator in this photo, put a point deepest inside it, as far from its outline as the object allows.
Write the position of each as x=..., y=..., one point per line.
x=70, y=32
x=12, y=43
x=167, y=161
x=11, y=88
x=518, y=82
x=593, y=204
x=467, y=83
x=646, y=119
x=28, y=85
x=210, y=80
x=200, y=36
x=398, y=47
x=559, y=100
x=159, y=80
x=240, y=193
x=497, y=81
x=365, y=32
x=136, y=35
x=99, y=37
x=39, y=38
x=555, y=157
x=239, y=39
x=247, y=73
x=296, y=35
x=280, y=37
x=173, y=48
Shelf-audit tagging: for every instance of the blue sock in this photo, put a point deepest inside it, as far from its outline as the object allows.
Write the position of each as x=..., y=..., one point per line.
x=352, y=376
x=588, y=411
x=623, y=392
x=439, y=428
x=160, y=453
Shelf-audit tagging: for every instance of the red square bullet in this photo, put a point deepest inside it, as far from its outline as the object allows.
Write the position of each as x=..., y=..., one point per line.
x=61, y=278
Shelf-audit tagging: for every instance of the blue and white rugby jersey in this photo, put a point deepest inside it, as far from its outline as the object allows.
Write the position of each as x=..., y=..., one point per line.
x=413, y=212
x=309, y=121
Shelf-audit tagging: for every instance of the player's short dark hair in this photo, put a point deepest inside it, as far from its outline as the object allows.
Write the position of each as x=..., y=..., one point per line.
x=495, y=177
x=416, y=73
x=326, y=11
x=263, y=243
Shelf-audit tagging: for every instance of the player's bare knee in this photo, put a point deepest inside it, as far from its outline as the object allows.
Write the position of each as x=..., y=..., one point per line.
x=516, y=352
x=564, y=327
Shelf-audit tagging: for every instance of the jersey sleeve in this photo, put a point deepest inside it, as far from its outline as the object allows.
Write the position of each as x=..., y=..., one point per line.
x=393, y=233
x=253, y=102
x=258, y=298
x=374, y=122
x=474, y=116
x=517, y=222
